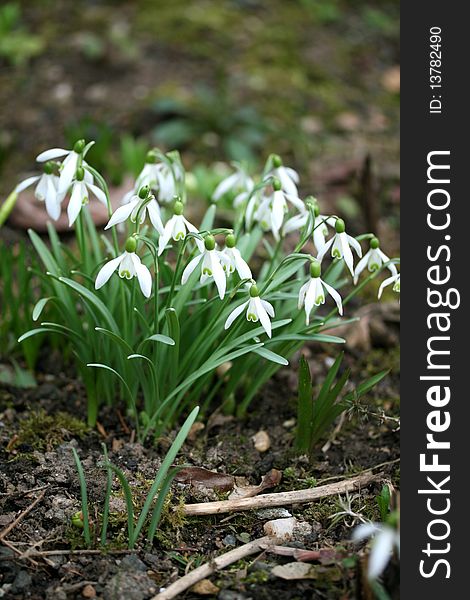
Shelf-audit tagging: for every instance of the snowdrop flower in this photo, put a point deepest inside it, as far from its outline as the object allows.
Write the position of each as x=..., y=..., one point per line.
x=69, y=164
x=313, y=293
x=168, y=179
x=210, y=261
x=129, y=265
x=373, y=259
x=45, y=191
x=257, y=310
x=395, y=279
x=139, y=204
x=176, y=229
x=287, y=176
x=234, y=259
x=271, y=211
x=147, y=177
x=341, y=244
x=79, y=196
x=385, y=539
x=320, y=229
x=239, y=181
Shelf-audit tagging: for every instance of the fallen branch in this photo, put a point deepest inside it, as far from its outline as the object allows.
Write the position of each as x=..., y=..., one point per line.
x=211, y=567
x=281, y=498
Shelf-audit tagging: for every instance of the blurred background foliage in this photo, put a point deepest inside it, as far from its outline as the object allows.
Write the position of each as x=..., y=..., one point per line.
x=316, y=81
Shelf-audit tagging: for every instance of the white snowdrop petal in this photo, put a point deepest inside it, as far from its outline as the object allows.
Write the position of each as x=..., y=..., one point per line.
x=51, y=154
x=106, y=271
x=263, y=316
x=190, y=268
x=380, y=552
x=26, y=183
x=121, y=214
x=234, y=314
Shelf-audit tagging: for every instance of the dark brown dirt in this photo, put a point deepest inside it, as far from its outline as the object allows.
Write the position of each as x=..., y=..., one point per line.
x=41, y=463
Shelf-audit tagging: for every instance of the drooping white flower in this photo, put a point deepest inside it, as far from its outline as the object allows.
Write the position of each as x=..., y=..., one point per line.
x=128, y=265
x=82, y=185
x=239, y=182
x=176, y=229
x=313, y=293
x=320, y=229
x=140, y=204
x=384, y=539
x=210, y=262
x=395, y=280
x=69, y=164
x=257, y=310
x=287, y=176
x=168, y=179
x=272, y=209
x=45, y=191
x=373, y=259
x=235, y=261
x=341, y=244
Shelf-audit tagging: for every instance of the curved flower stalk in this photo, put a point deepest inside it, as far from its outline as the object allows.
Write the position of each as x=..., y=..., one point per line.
x=82, y=185
x=128, y=265
x=45, y=190
x=210, y=261
x=288, y=177
x=234, y=260
x=384, y=540
x=69, y=164
x=395, y=280
x=341, y=244
x=176, y=229
x=239, y=182
x=137, y=207
x=256, y=310
x=270, y=213
x=320, y=229
x=313, y=293
x=373, y=260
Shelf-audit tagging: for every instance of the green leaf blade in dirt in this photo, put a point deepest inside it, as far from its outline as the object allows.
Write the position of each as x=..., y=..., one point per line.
x=163, y=470
x=304, y=407
x=84, y=498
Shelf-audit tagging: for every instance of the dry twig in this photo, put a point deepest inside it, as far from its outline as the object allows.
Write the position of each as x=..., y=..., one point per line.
x=281, y=498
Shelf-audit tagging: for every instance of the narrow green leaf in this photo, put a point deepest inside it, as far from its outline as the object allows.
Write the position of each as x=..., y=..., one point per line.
x=304, y=407
x=272, y=356
x=39, y=306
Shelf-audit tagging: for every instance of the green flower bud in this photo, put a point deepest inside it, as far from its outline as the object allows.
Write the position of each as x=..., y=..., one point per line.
x=209, y=242
x=131, y=244
x=276, y=184
x=276, y=160
x=315, y=268
x=77, y=519
x=79, y=146
x=48, y=168
x=340, y=226
x=178, y=208
x=80, y=174
x=374, y=243
x=254, y=293
x=230, y=241
x=144, y=192
x=151, y=157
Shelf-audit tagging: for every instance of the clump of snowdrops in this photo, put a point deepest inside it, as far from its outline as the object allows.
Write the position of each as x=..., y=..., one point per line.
x=166, y=313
